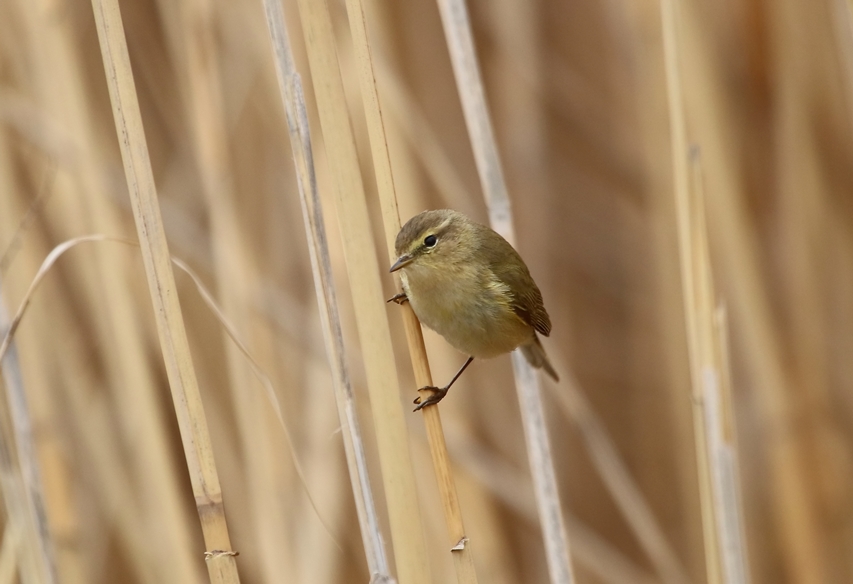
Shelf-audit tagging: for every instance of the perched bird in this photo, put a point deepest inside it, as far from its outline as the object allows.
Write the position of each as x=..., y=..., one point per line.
x=467, y=283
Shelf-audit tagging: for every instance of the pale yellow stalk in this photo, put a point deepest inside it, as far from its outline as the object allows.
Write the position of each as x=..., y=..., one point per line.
x=459, y=545
x=198, y=450
x=364, y=272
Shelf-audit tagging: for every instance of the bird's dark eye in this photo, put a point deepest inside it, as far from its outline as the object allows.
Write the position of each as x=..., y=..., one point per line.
x=430, y=240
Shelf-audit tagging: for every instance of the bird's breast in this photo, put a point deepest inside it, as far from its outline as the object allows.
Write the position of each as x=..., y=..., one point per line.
x=470, y=309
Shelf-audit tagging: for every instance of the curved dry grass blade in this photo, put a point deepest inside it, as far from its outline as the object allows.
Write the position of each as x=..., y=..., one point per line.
x=48, y=262
x=8, y=255
x=265, y=380
x=193, y=28
x=206, y=295
x=104, y=297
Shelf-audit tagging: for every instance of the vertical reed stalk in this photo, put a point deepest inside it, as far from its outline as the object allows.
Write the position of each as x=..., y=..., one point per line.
x=457, y=28
x=293, y=99
x=29, y=551
x=724, y=553
x=198, y=450
x=459, y=545
x=193, y=40
x=20, y=475
x=727, y=483
x=371, y=317
x=715, y=384
x=82, y=203
x=697, y=343
x=775, y=390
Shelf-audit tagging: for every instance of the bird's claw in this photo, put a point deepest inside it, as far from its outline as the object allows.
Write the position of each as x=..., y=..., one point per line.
x=437, y=395
x=398, y=298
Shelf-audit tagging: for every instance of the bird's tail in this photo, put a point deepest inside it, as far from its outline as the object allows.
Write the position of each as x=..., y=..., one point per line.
x=535, y=354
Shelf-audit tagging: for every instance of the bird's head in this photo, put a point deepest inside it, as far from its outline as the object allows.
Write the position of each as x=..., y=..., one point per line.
x=435, y=240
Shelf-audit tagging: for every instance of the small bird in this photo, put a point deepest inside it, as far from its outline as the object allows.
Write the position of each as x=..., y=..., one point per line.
x=468, y=284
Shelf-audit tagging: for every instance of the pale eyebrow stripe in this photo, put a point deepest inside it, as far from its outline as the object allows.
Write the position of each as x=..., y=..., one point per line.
x=442, y=225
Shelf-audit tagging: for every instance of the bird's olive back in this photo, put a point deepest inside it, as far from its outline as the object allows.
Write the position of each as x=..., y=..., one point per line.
x=508, y=267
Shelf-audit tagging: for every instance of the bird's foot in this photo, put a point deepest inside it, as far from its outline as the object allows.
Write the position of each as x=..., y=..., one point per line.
x=437, y=395
x=398, y=298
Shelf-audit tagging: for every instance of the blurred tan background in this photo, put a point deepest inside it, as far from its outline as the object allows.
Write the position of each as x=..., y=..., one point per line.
x=578, y=97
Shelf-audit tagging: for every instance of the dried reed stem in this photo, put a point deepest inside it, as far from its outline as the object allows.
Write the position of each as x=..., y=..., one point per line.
x=457, y=28
x=727, y=483
x=82, y=201
x=459, y=544
x=715, y=399
x=725, y=555
x=198, y=450
x=194, y=42
x=372, y=320
x=697, y=343
x=779, y=412
x=293, y=99
x=106, y=451
x=719, y=490
x=30, y=552
x=22, y=488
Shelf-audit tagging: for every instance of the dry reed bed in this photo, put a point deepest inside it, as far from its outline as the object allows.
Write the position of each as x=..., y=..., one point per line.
x=580, y=111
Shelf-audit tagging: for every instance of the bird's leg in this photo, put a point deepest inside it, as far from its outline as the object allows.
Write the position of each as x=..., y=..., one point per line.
x=398, y=298
x=439, y=392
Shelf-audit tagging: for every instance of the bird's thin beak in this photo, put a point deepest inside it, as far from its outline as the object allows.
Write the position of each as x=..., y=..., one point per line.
x=401, y=262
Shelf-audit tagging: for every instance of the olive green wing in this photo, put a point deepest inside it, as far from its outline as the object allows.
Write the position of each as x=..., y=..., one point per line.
x=526, y=300
x=529, y=307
